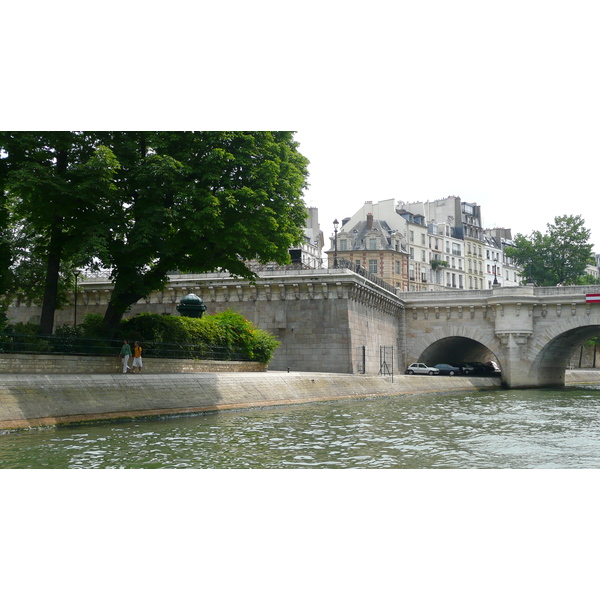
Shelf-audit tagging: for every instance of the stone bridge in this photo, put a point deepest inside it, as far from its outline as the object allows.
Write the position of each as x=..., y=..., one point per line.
x=530, y=332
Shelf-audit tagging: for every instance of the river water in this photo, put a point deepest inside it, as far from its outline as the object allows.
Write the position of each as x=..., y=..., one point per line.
x=499, y=429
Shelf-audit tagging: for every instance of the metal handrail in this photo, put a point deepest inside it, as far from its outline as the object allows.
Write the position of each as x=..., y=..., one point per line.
x=12, y=343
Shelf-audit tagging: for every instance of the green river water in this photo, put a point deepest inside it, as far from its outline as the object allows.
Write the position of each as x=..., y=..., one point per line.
x=515, y=429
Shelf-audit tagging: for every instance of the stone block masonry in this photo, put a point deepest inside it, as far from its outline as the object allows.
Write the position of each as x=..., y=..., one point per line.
x=320, y=317
x=47, y=400
x=29, y=401
x=86, y=365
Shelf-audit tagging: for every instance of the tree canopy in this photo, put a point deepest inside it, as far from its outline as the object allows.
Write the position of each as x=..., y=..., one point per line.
x=558, y=256
x=144, y=204
x=55, y=183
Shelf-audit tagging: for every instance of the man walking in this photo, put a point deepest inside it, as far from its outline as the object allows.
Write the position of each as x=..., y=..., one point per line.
x=125, y=354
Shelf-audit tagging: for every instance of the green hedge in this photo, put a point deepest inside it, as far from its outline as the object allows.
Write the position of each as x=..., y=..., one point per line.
x=223, y=336
x=231, y=333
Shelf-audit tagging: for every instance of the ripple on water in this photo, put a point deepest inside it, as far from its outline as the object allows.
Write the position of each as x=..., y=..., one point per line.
x=506, y=429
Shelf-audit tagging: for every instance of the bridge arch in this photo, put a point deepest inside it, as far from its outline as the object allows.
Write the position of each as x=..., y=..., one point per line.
x=455, y=349
x=552, y=351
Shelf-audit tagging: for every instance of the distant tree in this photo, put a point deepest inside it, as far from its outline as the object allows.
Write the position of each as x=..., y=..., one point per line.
x=558, y=256
x=586, y=279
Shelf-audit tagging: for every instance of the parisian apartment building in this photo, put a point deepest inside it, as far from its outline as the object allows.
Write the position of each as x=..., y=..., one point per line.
x=414, y=246
x=425, y=246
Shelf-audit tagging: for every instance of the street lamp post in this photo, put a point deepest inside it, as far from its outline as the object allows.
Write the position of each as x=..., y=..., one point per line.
x=77, y=273
x=335, y=226
x=495, y=271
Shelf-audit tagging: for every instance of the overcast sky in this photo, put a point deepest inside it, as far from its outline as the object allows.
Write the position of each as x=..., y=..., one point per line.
x=498, y=103
x=500, y=107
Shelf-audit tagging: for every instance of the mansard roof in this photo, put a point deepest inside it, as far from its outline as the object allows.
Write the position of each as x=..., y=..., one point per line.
x=368, y=229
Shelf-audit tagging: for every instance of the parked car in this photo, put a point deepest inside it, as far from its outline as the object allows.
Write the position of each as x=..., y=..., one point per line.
x=445, y=369
x=475, y=368
x=421, y=369
x=493, y=365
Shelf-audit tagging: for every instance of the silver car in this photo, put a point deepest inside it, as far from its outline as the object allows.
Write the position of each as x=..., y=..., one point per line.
x=421, y=369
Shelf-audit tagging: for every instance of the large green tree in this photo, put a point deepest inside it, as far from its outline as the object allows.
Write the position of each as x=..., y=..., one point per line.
x=558, y=256
x=144, y=204
x=199, y=202
x=57, y=184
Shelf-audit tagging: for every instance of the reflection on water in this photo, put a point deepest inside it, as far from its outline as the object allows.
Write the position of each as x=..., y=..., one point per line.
x=499, y=429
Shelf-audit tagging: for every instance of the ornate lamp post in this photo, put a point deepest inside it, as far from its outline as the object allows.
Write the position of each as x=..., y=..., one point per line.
x=495, y=271
x=335, y=226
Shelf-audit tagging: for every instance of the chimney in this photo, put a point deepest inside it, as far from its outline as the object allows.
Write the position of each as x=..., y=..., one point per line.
x=369, y=220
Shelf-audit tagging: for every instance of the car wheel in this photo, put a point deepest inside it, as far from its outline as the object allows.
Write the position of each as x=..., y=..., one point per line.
x=431, y=373
x=451, y=373
x=411, y=372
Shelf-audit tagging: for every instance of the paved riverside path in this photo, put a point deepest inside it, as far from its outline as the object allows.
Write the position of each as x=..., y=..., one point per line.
x=45, y=400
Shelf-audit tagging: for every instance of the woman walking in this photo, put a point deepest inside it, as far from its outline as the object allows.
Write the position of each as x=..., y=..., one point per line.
x=137, y=358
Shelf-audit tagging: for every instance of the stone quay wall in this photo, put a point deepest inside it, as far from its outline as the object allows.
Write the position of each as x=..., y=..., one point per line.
x=30, y=401
x=322, y=317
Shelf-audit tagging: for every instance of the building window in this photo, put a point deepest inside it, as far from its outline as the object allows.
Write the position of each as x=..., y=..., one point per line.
x=343, y=245
x=412, y=254
x=372, y=244
x=412, y=236
x=357, y=263
x=397, y=267
x=373, y=266
x=422, y=239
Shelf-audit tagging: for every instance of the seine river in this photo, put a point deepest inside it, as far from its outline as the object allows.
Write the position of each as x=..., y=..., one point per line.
x=516, y=429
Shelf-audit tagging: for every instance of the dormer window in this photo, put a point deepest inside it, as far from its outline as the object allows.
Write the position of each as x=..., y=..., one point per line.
x=372, y=244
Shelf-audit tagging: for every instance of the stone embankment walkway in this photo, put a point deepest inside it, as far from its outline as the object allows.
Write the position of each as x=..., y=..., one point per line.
x=45, y=400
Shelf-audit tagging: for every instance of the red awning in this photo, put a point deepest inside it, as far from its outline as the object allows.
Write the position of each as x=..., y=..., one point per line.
x=592, y=297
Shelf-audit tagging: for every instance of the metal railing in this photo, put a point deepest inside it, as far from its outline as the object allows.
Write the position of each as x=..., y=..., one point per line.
x=11, y=343
x=344, y=263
